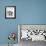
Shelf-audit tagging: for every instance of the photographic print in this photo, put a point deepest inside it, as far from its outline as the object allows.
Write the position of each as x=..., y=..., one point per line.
x=10, y=12
x=32, y=32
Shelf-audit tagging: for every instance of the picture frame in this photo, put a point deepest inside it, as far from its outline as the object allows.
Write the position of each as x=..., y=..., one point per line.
x=41, y=28
x=10, y=12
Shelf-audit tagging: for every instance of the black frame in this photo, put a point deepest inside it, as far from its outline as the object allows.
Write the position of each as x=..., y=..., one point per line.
x=14, y=13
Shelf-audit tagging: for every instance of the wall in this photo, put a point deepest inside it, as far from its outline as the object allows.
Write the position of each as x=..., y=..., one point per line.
x=27, y=12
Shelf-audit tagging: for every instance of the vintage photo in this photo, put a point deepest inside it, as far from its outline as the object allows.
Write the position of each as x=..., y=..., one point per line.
x=10, y=12
x=32, y=32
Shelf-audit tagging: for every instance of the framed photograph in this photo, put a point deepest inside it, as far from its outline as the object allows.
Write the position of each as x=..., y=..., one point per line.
x=33, y=32
x=10, y=12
